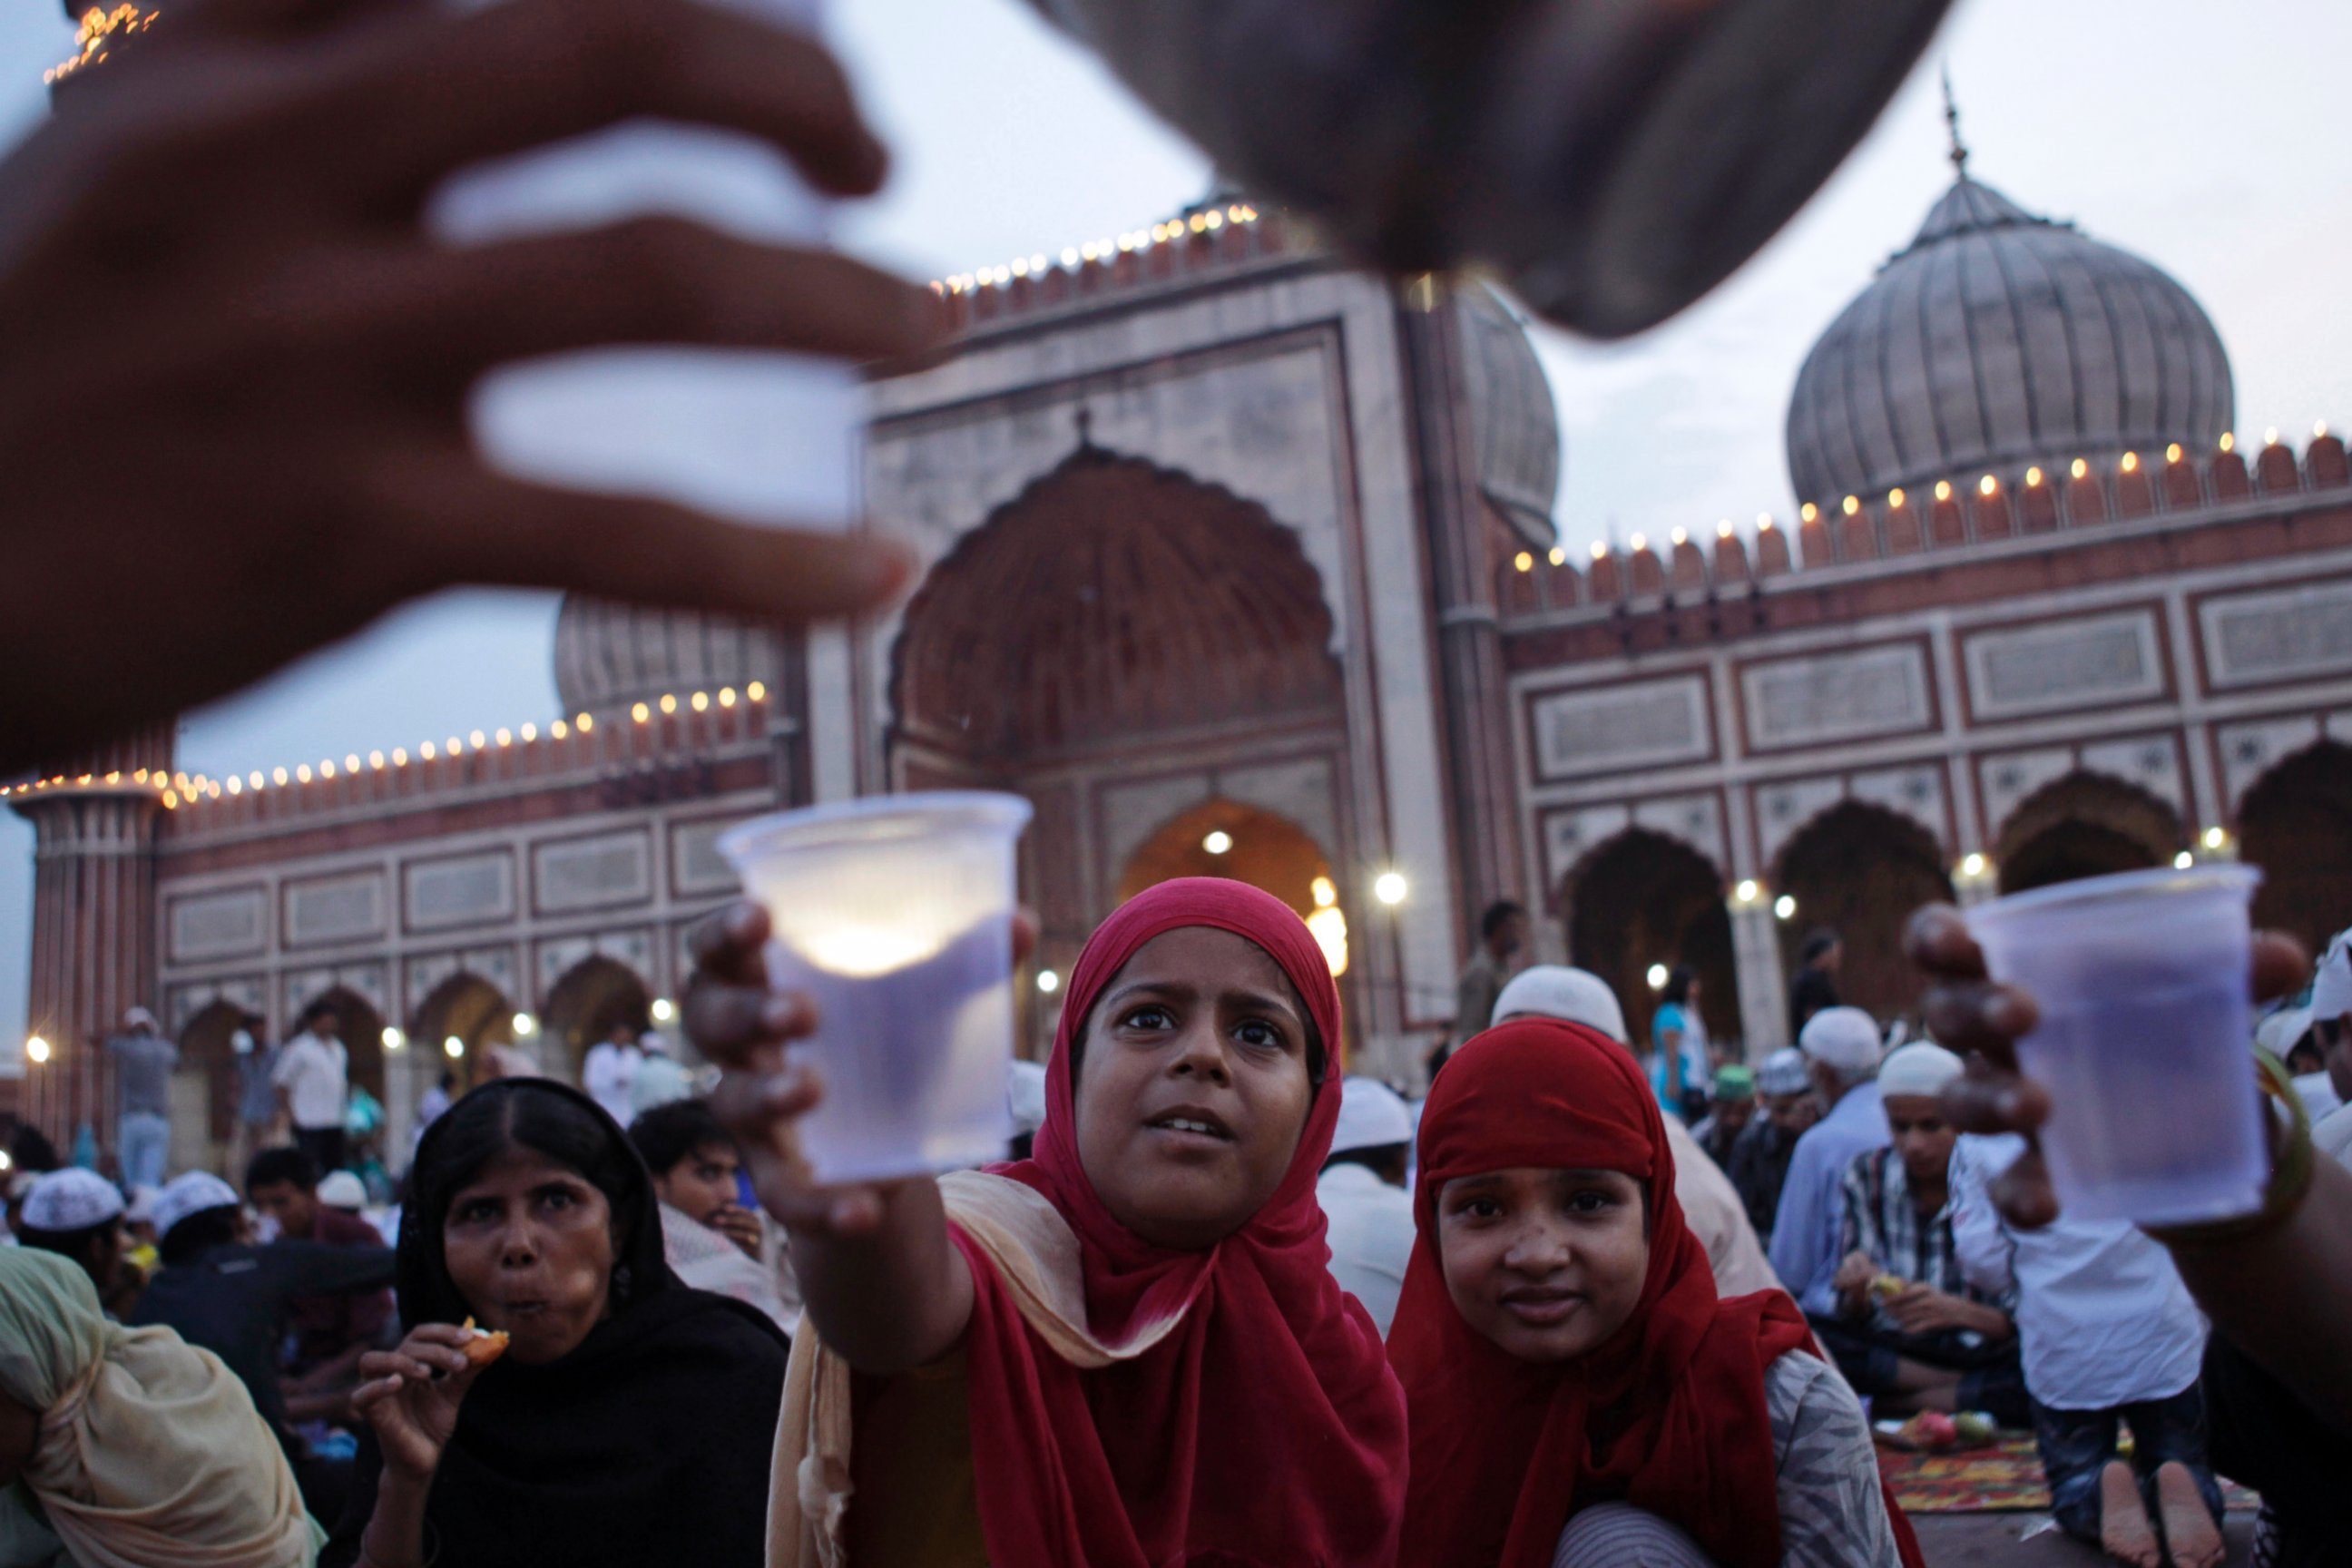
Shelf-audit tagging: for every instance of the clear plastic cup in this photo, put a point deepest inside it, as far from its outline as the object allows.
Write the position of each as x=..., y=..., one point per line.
x=760, y=436
x=2144, y=1038
x=894, y=915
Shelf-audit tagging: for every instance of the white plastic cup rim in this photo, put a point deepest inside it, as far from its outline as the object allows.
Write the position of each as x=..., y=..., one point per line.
x=2121, y=887
x=872, y=819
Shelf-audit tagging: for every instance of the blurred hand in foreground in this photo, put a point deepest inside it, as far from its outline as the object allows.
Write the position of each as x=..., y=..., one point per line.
x=233, y=388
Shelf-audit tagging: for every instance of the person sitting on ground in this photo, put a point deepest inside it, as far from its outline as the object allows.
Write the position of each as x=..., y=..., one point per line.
x=609, y=1071
x=1788, y=1108
x=129, y=1446
x=1911, y=1334
x=661, y=1077
x=1680, y=1059
x=1502, y=937
x=1024, y=1101
x=1841, y=1054
x=630, y=1418
x=1709, y=1204
x=1579, y=1393
x=1092, y=1357
x=1814, y=987
x=2110, y=1338
x=1366, y=1213
x=2276, y=1378
x=710, y=1239
x=223, y=1292
x=334, y=1328
x=1731, y=1107
x=78, y=1214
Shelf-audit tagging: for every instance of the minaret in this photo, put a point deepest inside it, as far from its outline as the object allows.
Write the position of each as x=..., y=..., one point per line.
x=94, y=928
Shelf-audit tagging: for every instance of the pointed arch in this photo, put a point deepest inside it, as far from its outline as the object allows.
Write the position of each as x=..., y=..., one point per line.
x=1640, y=899
x=1860, y=870
x=2295, y=823
x=2084, y=824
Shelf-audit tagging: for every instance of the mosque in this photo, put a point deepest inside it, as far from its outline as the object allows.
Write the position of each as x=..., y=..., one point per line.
x=1243, y=561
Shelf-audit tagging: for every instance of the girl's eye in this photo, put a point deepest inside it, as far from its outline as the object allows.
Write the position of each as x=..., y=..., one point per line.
x=1149, y=1017
x=477, y=1211
x=560, y=1199
x=1591, y=1200
x=1259, y=1033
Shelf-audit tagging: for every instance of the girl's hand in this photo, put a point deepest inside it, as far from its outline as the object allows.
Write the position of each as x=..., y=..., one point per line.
x=1983, y=1021
x=736, y=1021
x=411, y=1395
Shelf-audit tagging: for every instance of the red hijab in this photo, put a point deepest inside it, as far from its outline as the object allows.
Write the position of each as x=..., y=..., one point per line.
x=1668, y=1414
x=1266, y=1427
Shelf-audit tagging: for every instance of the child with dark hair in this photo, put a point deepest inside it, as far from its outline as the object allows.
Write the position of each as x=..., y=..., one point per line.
x=332, y=1328
x=711, y=1241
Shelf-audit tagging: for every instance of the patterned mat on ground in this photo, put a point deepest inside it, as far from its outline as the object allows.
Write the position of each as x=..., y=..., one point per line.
x=2003, y=1477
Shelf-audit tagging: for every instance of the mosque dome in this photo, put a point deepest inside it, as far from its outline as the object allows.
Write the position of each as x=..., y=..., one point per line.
x=1511, y=412
x=609, y=656
x=1999, y=340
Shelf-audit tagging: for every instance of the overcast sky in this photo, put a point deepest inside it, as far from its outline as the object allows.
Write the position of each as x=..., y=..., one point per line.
x=2206, y=137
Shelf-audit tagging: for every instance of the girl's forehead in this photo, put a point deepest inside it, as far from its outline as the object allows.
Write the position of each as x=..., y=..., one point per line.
x=1203, y=958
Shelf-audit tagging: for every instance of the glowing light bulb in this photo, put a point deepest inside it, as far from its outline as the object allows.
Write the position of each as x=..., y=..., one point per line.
x=1990, y=486
x=2229, y=442
x=1599, y=551
x=1657, y=977
x=757, y=692
x=453, y=1047
x=1218, y=842
x=1785, y=907
x=2182, y=861
x=1972, y=865
x=1556, y=556
x=36, y=1050
x=1048, y=982
x=1943, y=490
x=1640, y=542
x=1723, y=529
x=1523, y=562
x=2079, y=468
x=2172, y=453
x=640, y=712
x=2215, y=837
x=664, y=1009
x=2131, y=462
x=1390, y=887
x=525, y=1026
x=1746, y=890
x=1323, y=892
x=392, y=1039
x=1851, y=505
x=1329, y=927
x=1895, y=497
x=701, y=702
x=1680, y=537
x=1808, y=512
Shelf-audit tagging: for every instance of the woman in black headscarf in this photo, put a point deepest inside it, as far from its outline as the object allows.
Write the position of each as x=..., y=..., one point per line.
x=630, y=1419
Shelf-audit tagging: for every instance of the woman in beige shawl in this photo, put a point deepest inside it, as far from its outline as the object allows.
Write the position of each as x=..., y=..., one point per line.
x=129, y=1448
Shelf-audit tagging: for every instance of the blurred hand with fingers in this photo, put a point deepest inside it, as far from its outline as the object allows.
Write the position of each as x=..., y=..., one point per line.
x=237, y=366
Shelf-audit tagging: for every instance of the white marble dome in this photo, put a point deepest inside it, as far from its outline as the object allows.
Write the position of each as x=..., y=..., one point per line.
x=1999, y=340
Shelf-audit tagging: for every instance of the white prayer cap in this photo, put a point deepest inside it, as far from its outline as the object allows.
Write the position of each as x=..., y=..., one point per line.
x=192, y=1192
x=71, y=1199
x=342, y=1190
x=1844, y=1038
x=132, y=1020
x=1783, y=1072
x=1371, y=1116
x=1024, y=1096
x=2331, y=987
x=1922, y=1068
x=1571, y=996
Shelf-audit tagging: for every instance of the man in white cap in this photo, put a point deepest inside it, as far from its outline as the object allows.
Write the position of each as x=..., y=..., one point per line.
x=144, y=1060
x=221, y=1292
x=1367, y=1210
x=1786, y=1108
x=78, y=1213
x=1910, y=1331
x=1710, y=1205
x=1024, y=1101
x=1842, y=1052
x=2331, y=1026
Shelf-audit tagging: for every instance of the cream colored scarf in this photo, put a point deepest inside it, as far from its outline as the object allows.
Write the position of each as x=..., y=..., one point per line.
x=1034, y=1252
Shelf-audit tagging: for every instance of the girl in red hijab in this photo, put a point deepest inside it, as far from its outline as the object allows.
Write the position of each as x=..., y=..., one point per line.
x=1125, y=1353
x=1574, y=1386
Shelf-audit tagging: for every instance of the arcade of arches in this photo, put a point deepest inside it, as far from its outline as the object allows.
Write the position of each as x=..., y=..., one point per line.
x=2084, y=825
x=1642, y=898
x=2295, y=823
x=1122, y=629
x=592, y=999
x=1860, y=871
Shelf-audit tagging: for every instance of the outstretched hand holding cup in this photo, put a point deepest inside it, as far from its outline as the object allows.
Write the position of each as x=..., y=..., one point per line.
x=1985, y=1019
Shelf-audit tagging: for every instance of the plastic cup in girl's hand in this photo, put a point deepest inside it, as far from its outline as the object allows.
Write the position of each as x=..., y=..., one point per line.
x=2144, y=1021
x=895, y=916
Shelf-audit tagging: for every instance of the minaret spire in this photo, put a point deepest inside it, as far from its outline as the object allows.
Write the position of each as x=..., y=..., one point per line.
x=1959, y=152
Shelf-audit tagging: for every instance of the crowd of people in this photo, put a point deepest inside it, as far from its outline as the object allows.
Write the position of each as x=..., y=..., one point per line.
x=1223, y=1302
x=1521, y=1316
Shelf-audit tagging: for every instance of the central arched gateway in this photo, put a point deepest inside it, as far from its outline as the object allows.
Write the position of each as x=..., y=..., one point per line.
x=1131, y=649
